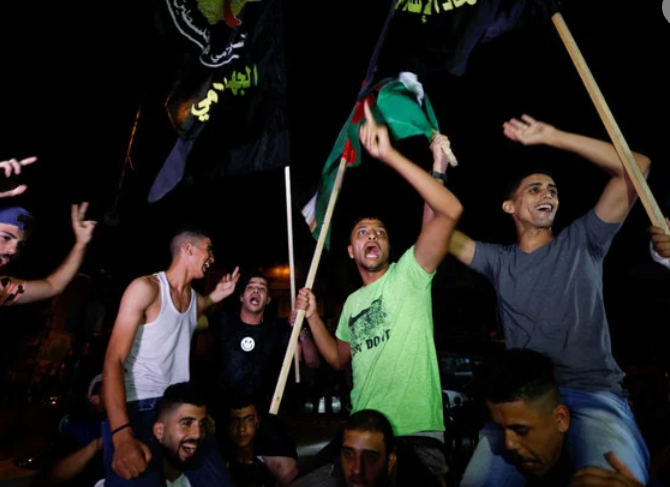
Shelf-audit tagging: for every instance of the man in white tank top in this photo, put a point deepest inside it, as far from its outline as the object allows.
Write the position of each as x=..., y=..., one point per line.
x=149, y=350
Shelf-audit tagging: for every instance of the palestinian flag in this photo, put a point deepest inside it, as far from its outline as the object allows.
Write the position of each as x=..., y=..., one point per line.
x=399, y=103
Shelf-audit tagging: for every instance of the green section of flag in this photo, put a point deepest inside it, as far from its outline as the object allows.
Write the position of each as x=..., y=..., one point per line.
x=397, y=106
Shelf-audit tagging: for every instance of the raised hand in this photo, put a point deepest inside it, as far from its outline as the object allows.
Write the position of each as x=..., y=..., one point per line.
x=11, y=168
x=11, y=290
x=442, y=153
x=375, y=138
x=528, y=131
x=83, y=229
x=226, y=286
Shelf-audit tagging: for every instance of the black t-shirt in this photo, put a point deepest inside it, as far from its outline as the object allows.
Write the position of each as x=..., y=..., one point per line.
x=250, y=356
x=273, y=439
x=254, y=474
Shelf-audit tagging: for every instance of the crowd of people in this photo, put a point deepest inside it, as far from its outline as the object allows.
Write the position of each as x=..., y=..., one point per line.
x=558, y=409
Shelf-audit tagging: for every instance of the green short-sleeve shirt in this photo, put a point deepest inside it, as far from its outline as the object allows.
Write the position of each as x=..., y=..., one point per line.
x=389, y=325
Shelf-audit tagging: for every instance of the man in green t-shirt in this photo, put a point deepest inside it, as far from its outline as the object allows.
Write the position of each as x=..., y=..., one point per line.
x=386, y=327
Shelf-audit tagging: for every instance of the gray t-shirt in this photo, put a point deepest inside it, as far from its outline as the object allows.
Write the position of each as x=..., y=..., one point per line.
x=551, y=300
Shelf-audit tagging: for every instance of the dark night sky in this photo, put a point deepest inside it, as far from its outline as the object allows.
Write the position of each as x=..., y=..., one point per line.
x=74, y=73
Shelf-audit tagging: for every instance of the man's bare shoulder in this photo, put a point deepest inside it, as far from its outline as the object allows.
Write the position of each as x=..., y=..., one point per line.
x=145, y=289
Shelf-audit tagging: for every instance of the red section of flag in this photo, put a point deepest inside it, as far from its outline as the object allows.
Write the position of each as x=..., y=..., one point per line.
x=228, y=16
x=359, y=110
x=359, y=113
x=349, y=153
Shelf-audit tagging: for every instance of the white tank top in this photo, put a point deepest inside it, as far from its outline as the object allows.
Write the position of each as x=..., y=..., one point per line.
x=160, y=353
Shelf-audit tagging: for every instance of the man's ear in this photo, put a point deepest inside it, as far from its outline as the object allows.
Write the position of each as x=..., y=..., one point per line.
x=188, y=248
x=159, y=430
x=508, y=207
x=269, y=300
x=562, y=418
x=350, y=250
x=392, y=460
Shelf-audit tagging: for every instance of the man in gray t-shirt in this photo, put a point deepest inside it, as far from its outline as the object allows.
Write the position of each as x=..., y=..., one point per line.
x=550, y=296
x=551, y=300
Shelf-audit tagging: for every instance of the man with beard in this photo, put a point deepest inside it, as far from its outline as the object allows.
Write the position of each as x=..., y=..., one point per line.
x=149, y=350
x=186, y=452
x=250, y=350
x=15, y=225
x=550, y=295
x=386, y=327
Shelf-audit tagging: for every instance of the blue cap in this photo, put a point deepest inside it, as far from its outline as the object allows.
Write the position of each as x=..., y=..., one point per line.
x=16, y=216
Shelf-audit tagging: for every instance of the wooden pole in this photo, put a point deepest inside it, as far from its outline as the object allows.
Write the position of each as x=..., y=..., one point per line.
x=620, y=144
x=291, y=264
x=293, y=341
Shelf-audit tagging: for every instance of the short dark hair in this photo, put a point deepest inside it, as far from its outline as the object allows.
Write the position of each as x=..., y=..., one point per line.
x=178, y=394
x=520, y=375
x=186, y=233
x=248, y=277
x=515, y=182
x=371, y=420
x=366, y=216
x=241, y=400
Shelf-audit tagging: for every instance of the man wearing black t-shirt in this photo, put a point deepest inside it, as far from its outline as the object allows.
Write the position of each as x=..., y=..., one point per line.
x=249, y=352
x=250, y=349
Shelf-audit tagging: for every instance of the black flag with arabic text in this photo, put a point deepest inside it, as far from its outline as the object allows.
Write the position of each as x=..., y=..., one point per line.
x=228, y=103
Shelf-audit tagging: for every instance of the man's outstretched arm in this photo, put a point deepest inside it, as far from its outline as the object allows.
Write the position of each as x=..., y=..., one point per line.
x=336, y=352
x=433, y=242
x=29, y=291
x=619, y=194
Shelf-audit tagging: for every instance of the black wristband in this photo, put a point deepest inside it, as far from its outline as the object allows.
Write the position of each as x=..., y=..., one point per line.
x=439, y=175
x=127, y=425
